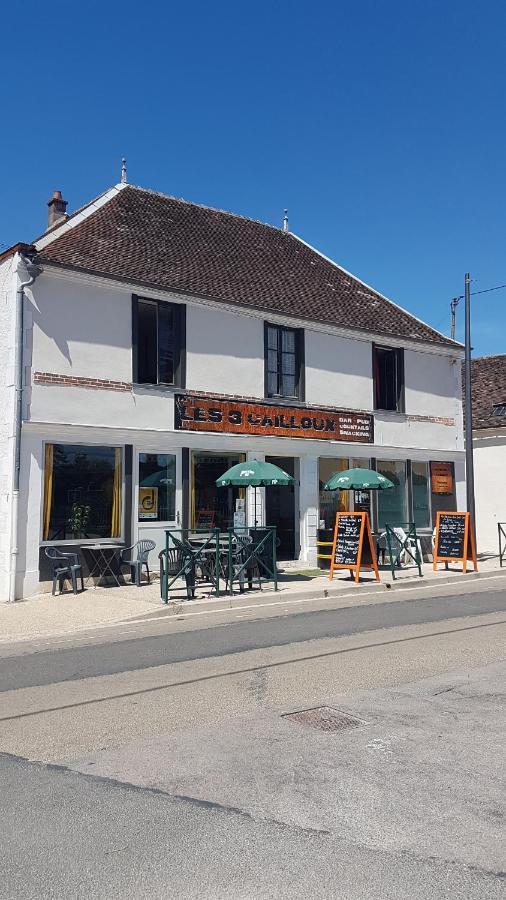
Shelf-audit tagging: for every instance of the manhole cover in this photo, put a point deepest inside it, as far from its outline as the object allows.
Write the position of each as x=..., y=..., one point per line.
x=324, y=718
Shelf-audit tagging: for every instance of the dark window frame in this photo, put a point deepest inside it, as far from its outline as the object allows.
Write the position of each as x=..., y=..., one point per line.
x=179, y=314
x=125, y=493
x=399, y=389
x=299, y=353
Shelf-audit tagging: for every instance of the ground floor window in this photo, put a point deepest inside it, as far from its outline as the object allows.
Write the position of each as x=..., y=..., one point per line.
x=157, y=487
x=393, y=503
x=82, y=492
x=421, y=494
x=211, y=506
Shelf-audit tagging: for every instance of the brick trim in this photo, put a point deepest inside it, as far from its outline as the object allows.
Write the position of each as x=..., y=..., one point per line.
x=283, y=401
x=95, y=384
x=438, y=420
x=102, y=384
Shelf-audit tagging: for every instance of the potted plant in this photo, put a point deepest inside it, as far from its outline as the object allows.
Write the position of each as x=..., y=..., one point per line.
x=78, y=519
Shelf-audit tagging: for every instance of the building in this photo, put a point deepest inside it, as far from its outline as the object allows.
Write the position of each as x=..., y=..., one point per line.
x=488, y=393
x=163, y=341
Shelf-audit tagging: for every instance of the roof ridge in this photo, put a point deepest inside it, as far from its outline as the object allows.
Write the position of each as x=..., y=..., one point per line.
x=224, y=212
x=376, y=292
x=489, y=356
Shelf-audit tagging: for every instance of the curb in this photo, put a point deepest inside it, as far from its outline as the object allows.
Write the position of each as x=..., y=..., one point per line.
x=182, y=607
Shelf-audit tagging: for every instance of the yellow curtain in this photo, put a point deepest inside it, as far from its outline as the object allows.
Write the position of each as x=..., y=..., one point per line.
x=48, y=490
x=116, y=495
x=343, y=497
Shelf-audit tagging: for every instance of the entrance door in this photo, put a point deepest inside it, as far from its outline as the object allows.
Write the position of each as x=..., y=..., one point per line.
x=280, y=508
x=159, y=493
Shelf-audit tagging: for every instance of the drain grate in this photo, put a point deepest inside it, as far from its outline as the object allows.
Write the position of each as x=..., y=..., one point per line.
x=324, y=718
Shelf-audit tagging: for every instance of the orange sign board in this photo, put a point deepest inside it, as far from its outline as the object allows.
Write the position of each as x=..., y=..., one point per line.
x=353, y=546
x=454, y=540
x=241, y=417
x=441, y=477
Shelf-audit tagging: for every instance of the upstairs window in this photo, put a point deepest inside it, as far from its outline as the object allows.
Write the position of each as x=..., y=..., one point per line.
x=388, y=373
x=158, y=338
x=284, y=362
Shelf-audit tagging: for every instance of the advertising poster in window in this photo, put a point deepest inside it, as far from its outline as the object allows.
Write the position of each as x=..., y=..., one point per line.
x=441, y=476
x=148, y=503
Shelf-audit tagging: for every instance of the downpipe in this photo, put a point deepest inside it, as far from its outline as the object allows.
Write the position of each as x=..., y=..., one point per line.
x=33, y=272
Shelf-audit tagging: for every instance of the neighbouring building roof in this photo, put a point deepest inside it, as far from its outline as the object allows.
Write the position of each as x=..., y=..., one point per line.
x=488, y=391
x=158, y=241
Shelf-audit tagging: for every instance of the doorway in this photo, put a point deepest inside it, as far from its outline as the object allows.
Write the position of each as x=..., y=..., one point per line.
x=211, y=506
x=280, y=507
x=158, y=495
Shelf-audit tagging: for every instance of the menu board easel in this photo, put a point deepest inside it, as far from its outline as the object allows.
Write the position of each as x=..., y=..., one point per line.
x=454, y=540
x=353, y=546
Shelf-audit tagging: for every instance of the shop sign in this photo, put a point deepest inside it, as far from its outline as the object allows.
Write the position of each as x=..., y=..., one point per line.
x=148, y=503
x=441, y=476
x=238, y=417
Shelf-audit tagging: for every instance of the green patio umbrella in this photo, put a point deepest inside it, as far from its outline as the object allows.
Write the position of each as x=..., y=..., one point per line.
x=156, y=479
x=254, y=473
x=357, y=480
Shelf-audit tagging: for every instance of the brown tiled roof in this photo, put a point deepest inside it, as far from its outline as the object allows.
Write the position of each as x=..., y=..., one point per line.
x=488, y=374
x=158, y=241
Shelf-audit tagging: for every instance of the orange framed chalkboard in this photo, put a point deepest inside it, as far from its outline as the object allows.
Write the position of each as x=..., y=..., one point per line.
x=454, y=540
x=353, y=546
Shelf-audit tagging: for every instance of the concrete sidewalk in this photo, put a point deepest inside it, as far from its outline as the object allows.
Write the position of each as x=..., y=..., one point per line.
x=48, y=616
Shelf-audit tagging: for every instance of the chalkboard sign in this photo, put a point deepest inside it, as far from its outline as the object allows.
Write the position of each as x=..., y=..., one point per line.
x=454, y=541
x=348, y=541
x=353, y=547
x=450, y=536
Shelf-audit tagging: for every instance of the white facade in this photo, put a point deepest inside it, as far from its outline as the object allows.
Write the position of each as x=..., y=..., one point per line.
x=79, y=328
x=489, y=487
x=8, y=285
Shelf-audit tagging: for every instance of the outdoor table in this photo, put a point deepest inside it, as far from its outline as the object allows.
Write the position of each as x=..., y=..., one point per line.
x=105, y=559
x=207, y=555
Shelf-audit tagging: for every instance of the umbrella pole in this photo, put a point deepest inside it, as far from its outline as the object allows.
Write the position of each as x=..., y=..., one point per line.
x=255, y=507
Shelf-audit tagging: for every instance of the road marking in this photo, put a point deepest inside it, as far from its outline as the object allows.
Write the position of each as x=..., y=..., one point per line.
x=236, y=672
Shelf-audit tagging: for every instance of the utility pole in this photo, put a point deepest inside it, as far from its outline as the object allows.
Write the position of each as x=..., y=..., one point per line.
x=469, y=406
x=453, y=306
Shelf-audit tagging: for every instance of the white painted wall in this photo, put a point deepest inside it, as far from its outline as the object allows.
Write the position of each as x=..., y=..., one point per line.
x=399, y=431
x=82, y=330
x=432, y=384
x=460, y=483
x=224, y=352
x=138, y=408
x=8, y=283
x=338, y=371
x=489, y=488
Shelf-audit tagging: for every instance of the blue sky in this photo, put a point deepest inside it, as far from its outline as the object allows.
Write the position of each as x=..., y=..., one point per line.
x=380, y=125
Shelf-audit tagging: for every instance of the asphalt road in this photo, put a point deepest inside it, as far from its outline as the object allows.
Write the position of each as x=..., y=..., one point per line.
x=81, y=838
x=178, y=775
x=101, y=659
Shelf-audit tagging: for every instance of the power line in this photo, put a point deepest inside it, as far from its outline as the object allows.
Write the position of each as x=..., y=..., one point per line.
x=454, y=302
x=498, y=287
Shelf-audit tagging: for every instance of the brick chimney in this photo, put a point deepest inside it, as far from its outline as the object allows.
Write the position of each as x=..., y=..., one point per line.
x=56, y=210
